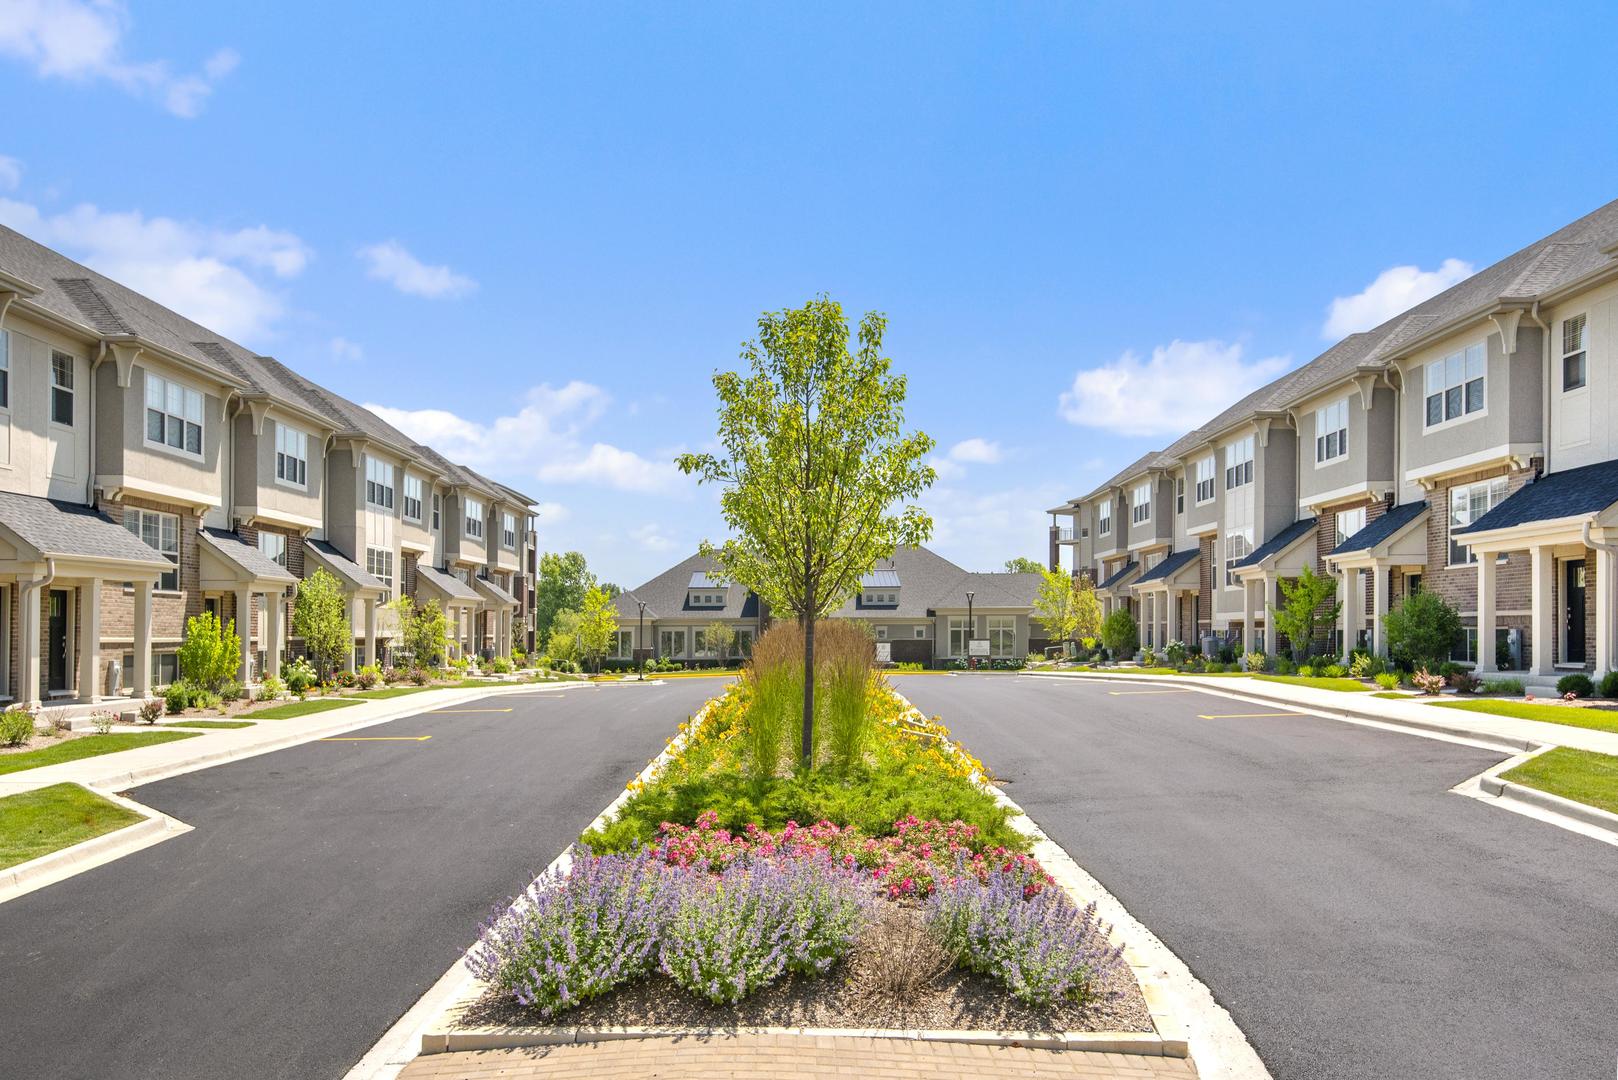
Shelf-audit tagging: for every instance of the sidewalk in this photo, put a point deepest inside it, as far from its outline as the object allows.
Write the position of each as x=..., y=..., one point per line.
x=1523, y=734
x=784, y=1056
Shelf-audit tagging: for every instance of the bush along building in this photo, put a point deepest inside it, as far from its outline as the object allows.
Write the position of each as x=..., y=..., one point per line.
x=919, y=607
x=151, y=469
x=1460, y=447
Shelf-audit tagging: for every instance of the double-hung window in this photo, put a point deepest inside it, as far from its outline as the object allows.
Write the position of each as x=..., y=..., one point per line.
x=274, y=547
x=1141, y=508
x=1349, y=522
x=508, y=531
x=1104, y=518
x=1575, y=361
x=960, y=632
x=379, y=564
x=1455, y=385
x=161, y=533
x=1467, y=504
x=1237, y=548
x=474, y=519
x=1239, y=463
x=5, y=369
x=1002, y=635
x=61, y=389
x=438, y=509
x=1331, y=431
x=378, y=483
x=291, y=456
x=1205, y=480
x=1179, y=494
x=412, y=497
x=174, y=415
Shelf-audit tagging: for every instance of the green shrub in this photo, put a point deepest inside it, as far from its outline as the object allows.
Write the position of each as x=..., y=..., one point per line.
x=1119, y=633
x=420, y=676
x=1579, y=685
x=1332, y=671
x=16, y=727
x=1505, y=686
x=299, y=675
x=204, y=699
x=1306, y=671
x=366, y=677
x=500, y=666
x=1609, y=685
x=1465, y=682
x=177, y=698
x=271, y=688
x=1255, y=660
x=230, y=690
x=1422, y=629
x=1148, y=658
x=1285, y=666
x=1359, y=665
x=1213, y=667
x=1387, y=680
x=1175, y=652
x=211, y=652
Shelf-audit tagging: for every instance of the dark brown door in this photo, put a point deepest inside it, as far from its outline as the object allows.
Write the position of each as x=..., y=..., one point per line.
x=56, y=641
x=1573, y=635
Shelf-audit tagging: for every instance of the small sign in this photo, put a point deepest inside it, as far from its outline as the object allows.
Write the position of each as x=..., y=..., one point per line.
x=884, y=652
x=977, y=647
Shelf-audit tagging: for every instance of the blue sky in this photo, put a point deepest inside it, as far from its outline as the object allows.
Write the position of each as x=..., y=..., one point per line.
x=531, y=232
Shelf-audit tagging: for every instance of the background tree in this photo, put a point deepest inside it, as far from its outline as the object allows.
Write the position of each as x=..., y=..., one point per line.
x=597, y=626
x=612, y=591
x=720, y=640
x=814, y=459
x=320, y=617
x=564, y=641
x=1422, y=629
x=1021, y=564
x=1120, y=634
x=1304, y=609
x=563, y=580
x=1068, y=610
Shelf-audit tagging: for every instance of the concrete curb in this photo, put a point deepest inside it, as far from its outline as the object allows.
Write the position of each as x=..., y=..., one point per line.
x=153, y=828
x=1252, y=693
x=1506, y=791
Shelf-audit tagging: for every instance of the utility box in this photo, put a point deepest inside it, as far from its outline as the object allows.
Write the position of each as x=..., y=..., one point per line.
x=115, y=678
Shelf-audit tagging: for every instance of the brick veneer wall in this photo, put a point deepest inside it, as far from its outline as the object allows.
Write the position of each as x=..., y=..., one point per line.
x=170, y=610
x=1458, y=585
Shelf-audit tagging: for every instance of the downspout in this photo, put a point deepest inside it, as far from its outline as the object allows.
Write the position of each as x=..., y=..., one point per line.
x=1545, y=383
x=24, y=588
x=90, y=418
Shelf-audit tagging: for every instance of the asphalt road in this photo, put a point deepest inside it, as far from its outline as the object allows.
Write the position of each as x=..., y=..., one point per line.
x=324, y=889
x=1355, y=918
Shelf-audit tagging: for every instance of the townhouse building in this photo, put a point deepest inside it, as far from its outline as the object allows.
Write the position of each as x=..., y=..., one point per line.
x=919, y=607
x=151, y=469
x=1459, y=447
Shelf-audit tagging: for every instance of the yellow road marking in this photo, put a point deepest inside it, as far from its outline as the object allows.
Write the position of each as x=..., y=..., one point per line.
x=1131, y=693
x=1245, y=715
x=377, y=738
x=439, y=712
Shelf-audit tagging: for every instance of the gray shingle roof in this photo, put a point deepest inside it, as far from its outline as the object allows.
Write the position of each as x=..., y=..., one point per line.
x=1571, y=493
x=345, y=568
x=246, y=557
x=493, y=592
x=67, y=530
x=999, y=589
x=1117, y=578
x=1169, y=566
x=666, y=596
x=1382, y=529
x=1279, y=542
x=448, y=584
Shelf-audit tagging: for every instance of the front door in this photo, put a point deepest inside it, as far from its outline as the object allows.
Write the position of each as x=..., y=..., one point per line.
x=56, y=641
x=1573, y=627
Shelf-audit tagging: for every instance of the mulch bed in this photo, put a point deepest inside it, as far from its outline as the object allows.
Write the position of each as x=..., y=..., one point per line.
x=857, y=993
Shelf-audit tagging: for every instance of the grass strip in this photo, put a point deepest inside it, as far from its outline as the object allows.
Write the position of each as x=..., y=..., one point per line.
x=1317, y=682
x=293, y=709
x=1571, y=715
x=210, y=723
x=87, y=747
x=1580, y=775
x=37, y=823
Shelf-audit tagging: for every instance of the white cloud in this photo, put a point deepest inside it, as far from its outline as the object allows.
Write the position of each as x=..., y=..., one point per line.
x=945, y=468
x=544, y=440
x=344, y=349
x=552, y=513
x=10, y=173
x=206, y=274
x=392, y=262
x=1395, y=289
x=82, y=41
x=652, y=538
x=980, y=530
x=1182, y=384
x=976, y=451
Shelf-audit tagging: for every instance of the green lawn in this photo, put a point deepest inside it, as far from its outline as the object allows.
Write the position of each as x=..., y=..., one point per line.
x=209, y=723
x=1318, y=682
x=88, y=746
x=388, y=692
x=1573, y=774
x=1392, y=695
x=39, y=822
x=1572, y=715
x=291, y=709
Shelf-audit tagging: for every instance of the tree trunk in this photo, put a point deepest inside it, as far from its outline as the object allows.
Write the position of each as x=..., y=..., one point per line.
x=808, y=749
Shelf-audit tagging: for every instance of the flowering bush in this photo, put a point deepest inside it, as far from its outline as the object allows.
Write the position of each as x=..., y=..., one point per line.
x=299, y=675
x=366, y=677
x=1042, y=947
x=573, y=936
x=728, y=934
x=150, y=710
x=1427, y=682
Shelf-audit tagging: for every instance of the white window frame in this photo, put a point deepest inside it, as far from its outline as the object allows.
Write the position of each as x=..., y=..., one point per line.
x=1206, y=488
x=881, y=632
x=623, y=644
x=1140, y=511
x=379, y=490
x=473, y=519
x=1002, y=631
x=412, y=483
x=675, y=635
x=379, y=564
x=1331, y=432
x=1355, y=517
x=291, y=457
x=1239, y=463
x=135, y=520
x=1455, y=374
x=178, y=407
x=921, y=633
x=274, y=547
x=1492, y=492
x=508, y=530
x=1104, y=518
x=960, y=633
x=1179, y=495
x=438, y=511
x=1237, y=548
x=1576, y=346
x=61, y=363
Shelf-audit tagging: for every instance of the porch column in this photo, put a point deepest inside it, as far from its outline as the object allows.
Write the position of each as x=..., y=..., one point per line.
x=1542, y=574
x=244, y=630
x=1487, y=661
x=370, y=631
x=1379, y=609
x=1250, y=612
x=27, y=692
x=143, y=639
x=89, y=639
x=1353, y=593
x=273, y=603
x=503, y=628
x=1173, y=633
x=1606, y=583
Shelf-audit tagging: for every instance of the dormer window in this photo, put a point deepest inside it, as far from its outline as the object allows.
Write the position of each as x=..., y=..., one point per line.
x=880, y=598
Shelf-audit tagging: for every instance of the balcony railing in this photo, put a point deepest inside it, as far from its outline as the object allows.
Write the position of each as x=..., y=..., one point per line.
x=1066, y=534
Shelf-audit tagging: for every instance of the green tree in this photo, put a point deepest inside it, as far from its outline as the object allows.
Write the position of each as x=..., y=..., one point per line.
x=612, y=591
x=720, y=640
x=1306, y=605
x=597, y=626
x=564, y=641
x=1021, y=564
x=564, y=578
x=814, y=459
x=320, y=616
x=422, y=631
x=211, y=654
x=1067, y=609
x=1422, y=629
x=1120, y=634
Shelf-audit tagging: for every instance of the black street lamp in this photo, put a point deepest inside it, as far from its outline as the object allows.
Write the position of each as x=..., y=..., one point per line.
x=640, y=635
x=971, y=631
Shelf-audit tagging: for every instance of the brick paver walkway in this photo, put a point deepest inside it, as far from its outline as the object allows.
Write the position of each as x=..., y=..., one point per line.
x=784, y=1057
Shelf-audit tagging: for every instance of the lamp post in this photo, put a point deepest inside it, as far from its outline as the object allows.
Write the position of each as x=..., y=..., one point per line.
x=971, y=632
x=640, y=635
